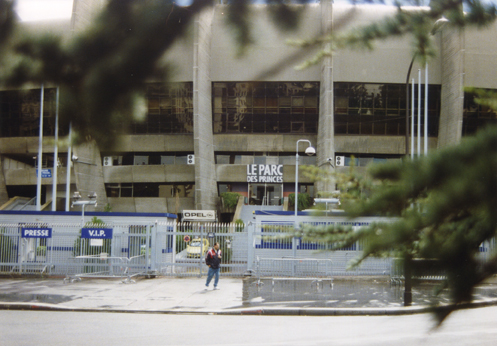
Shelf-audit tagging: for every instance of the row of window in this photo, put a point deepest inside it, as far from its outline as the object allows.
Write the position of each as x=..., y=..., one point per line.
x=265, y=107
x=380, y=109
x=257, y=107
x=138, y=159
x=150, y=190
x=20, y=113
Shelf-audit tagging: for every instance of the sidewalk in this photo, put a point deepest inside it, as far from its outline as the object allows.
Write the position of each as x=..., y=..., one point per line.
x=164, y=295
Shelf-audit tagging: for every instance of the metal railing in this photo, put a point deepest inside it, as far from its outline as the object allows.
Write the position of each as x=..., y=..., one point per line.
x=178, y=249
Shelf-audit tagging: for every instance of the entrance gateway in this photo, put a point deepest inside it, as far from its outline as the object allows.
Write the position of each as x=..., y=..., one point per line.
x=265, y=184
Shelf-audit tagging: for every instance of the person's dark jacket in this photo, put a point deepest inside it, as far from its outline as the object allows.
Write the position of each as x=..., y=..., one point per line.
x=213, y=258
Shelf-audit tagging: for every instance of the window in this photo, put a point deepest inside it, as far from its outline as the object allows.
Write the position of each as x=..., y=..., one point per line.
x=379, y=109
x=170, y=109
x=20, y=113
x=150, y=190
x=265, y=107
x=476, y=116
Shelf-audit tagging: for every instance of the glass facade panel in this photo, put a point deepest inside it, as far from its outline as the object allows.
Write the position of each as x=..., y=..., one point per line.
x=265, y=107
x=170, y=109
x=475, y=116
x=20, y=113
x=379, y=109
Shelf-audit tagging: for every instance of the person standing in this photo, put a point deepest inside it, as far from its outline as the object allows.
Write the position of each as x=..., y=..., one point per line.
x=213, y=261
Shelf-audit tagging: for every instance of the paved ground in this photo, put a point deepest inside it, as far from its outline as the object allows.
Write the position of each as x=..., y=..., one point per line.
x=171, y=295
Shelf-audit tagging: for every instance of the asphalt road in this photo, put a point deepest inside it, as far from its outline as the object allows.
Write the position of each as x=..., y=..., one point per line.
x=465, y=327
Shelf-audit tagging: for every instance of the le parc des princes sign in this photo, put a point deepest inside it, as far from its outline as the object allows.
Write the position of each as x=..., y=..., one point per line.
x=264, y=173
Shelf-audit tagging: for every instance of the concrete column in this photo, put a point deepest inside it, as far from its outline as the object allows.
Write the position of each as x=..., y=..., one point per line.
x=89, y=173
x=205, y=169
x=326, y=131
x=452, y=103
x=4, y=196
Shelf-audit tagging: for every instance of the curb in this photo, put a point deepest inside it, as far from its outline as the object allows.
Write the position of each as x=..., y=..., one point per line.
x=258, y=311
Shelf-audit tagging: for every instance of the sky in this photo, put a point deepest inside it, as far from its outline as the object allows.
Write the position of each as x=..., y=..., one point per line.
x=33, y=10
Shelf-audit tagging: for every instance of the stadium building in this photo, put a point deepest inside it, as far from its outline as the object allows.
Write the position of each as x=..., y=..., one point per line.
x=227, y=123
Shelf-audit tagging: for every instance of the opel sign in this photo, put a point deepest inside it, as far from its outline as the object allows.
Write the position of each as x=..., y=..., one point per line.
x=199, y=215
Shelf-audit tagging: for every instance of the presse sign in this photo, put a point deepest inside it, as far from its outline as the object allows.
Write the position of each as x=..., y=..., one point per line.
x=36, y=232
x=264, y=173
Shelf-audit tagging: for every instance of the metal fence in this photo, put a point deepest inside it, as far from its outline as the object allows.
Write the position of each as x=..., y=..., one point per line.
x=176, y=249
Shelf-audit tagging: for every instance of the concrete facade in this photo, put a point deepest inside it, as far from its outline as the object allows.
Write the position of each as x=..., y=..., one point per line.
x=207, y=55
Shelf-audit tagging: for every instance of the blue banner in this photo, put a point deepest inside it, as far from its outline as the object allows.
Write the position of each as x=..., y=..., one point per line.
x=96, y=233
x=36, y=232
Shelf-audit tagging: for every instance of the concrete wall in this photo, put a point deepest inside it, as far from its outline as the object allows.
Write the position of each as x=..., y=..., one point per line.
x=480, y=47
x=268, y=57
x=151, y=205
x=150, y=173
x=259, y=142
x=388, y=62
x=156, y=143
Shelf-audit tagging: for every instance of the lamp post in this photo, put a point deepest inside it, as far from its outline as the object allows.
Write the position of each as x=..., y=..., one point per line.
x=437, y=26
x=309, y=151
x=77, y=201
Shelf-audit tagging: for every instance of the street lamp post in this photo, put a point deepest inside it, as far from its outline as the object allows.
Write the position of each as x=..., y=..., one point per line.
x=77, y=201
x=309, y=151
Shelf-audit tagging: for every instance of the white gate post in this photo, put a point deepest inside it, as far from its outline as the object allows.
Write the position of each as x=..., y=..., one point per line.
x=250, y=246
x=153, y=248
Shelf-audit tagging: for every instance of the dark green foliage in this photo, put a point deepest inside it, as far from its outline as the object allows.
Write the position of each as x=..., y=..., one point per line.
x=180, y=242
x=444, y=206
x=7, y=19
x=41, y=250
x=238, y=18
x=304, y=202
x=239, y=225
x=230, y=199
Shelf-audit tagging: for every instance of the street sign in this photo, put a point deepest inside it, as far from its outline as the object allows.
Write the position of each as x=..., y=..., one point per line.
x=186, y=238
x=45, y=173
